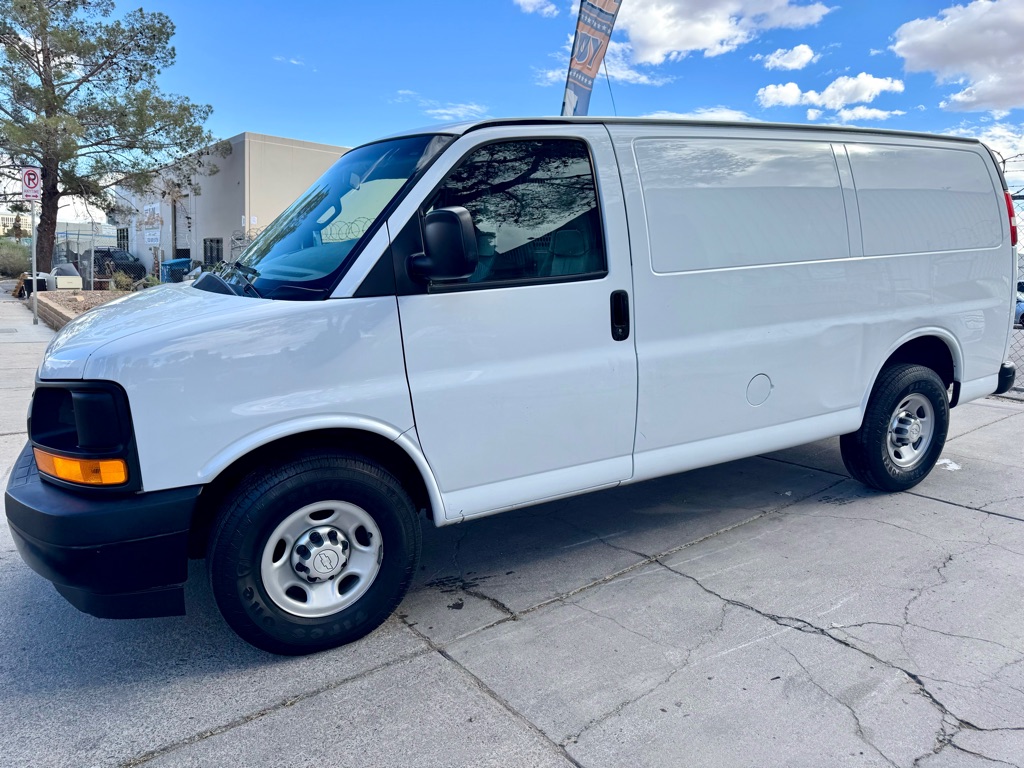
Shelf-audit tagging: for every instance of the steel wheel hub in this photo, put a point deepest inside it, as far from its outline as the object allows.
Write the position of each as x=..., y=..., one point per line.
x=320, y=553
x=322, y=558
x=911, y=428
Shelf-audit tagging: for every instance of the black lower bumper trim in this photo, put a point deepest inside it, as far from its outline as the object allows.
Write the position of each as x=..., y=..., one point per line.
x=113, y=557
x=151, y=604
x=1007, y=375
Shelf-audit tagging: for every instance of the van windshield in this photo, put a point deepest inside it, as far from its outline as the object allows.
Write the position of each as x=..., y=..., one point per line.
x=302, y=253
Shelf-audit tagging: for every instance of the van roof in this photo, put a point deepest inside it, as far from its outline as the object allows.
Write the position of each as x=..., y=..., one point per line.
x=459, y=129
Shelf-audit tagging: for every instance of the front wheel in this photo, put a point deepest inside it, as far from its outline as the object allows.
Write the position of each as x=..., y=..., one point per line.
x=313, y=554
x=903, y=432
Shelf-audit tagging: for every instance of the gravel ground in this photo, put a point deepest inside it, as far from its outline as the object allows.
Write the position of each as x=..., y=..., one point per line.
x=78, y=302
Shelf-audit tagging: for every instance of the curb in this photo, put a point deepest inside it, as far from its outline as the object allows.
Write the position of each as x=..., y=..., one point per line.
x=51, y=314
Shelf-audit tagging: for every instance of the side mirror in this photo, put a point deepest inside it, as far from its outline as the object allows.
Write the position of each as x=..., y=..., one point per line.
x=449, y=247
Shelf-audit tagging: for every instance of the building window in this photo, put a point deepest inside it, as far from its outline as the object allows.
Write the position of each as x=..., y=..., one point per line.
x=213, y=250
x=122, y=238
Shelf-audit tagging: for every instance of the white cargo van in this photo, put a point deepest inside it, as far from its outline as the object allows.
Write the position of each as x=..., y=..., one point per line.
x=481, y=317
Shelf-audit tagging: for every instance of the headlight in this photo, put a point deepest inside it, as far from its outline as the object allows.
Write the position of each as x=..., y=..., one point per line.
x=81, y=434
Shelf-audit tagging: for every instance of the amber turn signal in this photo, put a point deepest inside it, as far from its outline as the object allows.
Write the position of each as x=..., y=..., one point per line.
x=82, y=471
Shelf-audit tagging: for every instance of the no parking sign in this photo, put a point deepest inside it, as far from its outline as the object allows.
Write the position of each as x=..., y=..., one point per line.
x=31, y=183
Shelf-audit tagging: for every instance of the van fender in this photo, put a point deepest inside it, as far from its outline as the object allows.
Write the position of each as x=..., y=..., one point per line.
x=948, y=338
x=406, y=440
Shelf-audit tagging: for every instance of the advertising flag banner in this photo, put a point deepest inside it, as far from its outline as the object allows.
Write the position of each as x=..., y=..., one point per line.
x=593, y=31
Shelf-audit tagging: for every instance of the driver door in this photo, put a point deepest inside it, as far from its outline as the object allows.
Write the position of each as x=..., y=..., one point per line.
x=522, y=388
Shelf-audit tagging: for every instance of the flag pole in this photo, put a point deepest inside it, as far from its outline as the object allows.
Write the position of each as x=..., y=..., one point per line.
x=593, y=34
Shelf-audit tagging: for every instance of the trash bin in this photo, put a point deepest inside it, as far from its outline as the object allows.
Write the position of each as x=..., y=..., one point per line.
x=39, y=283
x=172, y=270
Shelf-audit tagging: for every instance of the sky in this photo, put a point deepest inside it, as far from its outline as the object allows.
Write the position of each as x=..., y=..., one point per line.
x=348, y=72
x=345, y=72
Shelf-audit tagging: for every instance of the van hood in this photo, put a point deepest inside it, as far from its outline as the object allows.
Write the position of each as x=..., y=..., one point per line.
x=133, y=314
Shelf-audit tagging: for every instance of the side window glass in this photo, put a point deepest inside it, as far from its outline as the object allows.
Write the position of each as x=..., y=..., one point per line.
x=534, y=209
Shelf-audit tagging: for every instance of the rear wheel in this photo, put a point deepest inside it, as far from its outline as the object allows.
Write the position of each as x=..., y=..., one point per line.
x=903, y=432
x=313, y=554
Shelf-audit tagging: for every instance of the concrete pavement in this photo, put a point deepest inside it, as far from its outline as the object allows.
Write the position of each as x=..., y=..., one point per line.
x=765, y=612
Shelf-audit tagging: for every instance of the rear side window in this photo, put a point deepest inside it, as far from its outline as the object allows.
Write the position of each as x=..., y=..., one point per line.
x=920, y=199
x=534, y=209
x=720, y=203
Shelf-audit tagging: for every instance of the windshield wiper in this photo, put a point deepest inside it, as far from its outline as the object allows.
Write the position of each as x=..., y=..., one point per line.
x=248, y=274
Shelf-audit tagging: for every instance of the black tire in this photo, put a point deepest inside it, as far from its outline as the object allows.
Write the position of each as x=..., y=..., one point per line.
x=872, y=454
x=266, y=499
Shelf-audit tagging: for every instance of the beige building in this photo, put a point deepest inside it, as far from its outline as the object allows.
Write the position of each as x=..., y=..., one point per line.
x=261, y=177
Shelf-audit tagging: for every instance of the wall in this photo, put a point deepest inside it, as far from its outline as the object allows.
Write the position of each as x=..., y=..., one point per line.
x=259, y=179
x=280, y=170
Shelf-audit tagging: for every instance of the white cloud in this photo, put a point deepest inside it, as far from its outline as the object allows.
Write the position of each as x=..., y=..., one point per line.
x=977, y=45
x=720, y=114
x=617, y=61
x=548, y=77
x=813, y=114
x=444, y=112
x=290, y=60
x=543, y=7
x=447, y=113
x=788, y=95
x=851, y=90
x=867, y=113
x=875, y=52
x=672, y=29
x=794, y=58
x=843, y=90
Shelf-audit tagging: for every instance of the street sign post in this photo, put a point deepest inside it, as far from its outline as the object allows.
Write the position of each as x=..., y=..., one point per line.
x=31, y=183
x=32, y=190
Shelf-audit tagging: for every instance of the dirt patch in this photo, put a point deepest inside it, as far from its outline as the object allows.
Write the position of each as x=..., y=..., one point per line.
x=77, y=302
x=58, y=308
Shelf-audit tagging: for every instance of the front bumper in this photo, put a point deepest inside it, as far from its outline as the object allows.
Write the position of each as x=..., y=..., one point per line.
x=1007, y=375
x=117, y=557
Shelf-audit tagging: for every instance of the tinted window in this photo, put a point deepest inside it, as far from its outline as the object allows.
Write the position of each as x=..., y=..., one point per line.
x=534, y=209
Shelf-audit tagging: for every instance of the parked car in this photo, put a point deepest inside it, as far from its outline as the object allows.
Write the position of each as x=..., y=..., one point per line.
x=108, y=260
x=1018, y=313
x=455, y=323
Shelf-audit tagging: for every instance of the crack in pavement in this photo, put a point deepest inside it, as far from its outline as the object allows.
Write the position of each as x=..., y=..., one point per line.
x=852, y=518
x=146, y=757
x=966, y=751
x=490, y=693
x=565, y=599
x=853, y=713
x=985, y=426
x=932, y=630
x=965, y=506
x=802, y=625
x=605, y=716
x=792, y=463
x=510, y=615
x=943, y=738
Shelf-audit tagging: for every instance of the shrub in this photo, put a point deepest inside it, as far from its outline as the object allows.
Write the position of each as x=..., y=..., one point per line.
x=121, y=281
x=14, y=258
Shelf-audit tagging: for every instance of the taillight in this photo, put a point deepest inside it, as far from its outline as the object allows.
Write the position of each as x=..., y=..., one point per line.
x=1013, y=219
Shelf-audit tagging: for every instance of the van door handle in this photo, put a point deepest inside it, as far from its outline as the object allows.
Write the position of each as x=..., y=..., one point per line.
x=620, y=315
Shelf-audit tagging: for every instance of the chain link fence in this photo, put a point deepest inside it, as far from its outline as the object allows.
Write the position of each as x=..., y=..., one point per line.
x=1017, y=339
